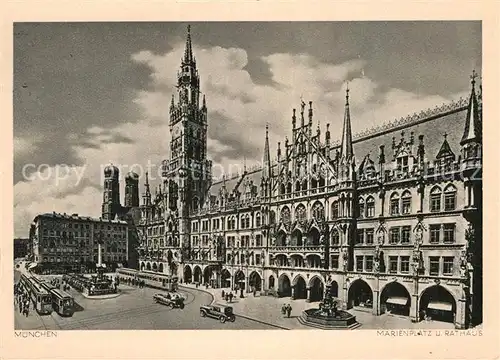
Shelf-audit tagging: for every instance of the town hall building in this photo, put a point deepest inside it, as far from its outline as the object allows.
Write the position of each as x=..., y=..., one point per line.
x=391, y=218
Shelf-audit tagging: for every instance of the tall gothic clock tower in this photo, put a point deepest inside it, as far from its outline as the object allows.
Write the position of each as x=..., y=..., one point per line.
x=187, y=174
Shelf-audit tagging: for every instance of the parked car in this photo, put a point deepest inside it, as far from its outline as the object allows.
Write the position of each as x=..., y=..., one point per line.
x=221, y=312
x=172, y=300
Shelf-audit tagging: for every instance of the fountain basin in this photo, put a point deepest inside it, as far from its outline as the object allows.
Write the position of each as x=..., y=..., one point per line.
x=316, y=318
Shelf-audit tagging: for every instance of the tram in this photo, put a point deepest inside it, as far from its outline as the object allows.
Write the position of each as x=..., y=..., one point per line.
x=62, y=302
x=41, y=298
x=150, y=278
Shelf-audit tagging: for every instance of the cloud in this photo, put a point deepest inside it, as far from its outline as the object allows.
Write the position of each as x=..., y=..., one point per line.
x=238, y=109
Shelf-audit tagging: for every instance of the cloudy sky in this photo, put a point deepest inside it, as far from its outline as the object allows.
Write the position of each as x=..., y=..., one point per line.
x=86, y=94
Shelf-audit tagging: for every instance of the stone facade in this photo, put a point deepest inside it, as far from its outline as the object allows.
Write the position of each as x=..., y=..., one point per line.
x=70, y=242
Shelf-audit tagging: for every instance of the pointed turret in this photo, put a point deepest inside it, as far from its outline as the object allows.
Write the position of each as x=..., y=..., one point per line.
x=472, y=131
x=346, y=151
x=146, y=197
x=266, y=161
x=204, y=106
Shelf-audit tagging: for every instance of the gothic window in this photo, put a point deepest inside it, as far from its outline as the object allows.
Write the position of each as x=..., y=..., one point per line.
x=406, y=202
x=314, y=183
x=450, y=198
x=335, y=210
x=318, y=211
x=435, y=199
x=257, y=220
x=370, y=207
x=304, y=185
x=335, y=237
x=361, y=208
x=282, y=189
x=289, y=188
x=300, y=213
x=394, y=204
x=285, y=215
x=321, y=181
x=297, y=186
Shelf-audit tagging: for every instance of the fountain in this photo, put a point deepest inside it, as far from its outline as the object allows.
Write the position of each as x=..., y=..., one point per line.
x=328, y=316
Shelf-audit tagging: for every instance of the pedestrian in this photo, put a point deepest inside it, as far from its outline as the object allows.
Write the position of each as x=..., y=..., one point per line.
x=223, y=294
x=230, y=297
x=254, y=292
x=27, y=308
x=289, y=310
x=283, y=309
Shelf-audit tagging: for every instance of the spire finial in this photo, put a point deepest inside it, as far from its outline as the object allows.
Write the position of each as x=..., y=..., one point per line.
x=473, y=77
x=347, y=93
x=147, y=181
x=188, y=52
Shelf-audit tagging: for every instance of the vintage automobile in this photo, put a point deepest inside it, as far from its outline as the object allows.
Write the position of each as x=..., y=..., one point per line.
x=216, y=311
x=173, y=300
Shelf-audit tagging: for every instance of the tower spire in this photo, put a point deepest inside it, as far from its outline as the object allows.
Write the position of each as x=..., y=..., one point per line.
x=266, y=161
x=188, y=51
x=346, y=147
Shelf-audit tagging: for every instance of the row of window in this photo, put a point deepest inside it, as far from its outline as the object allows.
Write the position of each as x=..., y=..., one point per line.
x=218, y=224
x=402, y=235
x=85, y=227
x=255, y=259
x=401, y=264
x=157, y=230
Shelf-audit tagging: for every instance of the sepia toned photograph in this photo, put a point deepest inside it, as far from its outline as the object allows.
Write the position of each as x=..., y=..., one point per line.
x=248, y=175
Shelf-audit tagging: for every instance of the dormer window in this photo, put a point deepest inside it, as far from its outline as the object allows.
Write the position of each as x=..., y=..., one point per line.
x=402, y=164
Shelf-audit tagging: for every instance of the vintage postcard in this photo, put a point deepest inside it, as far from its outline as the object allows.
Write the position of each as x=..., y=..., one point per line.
x=241, y=174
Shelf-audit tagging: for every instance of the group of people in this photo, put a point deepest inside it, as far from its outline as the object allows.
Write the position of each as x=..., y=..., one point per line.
x=130, y=282
x=228, y=296
x=286, y=309
x=22, y=299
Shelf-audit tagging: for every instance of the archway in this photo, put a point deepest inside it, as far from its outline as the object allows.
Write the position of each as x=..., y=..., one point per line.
x=188, y=274
x=313, y=261
x=197, y=274
x=148, y=267
x=300, y=288
x=207, y=275
x=334, y=289
x=284, y=286
x=225, y=278
x=271, y=282
x=155, y=267
x=360, y=294
x=255, y=281
x=239, y=279
x=437, y=303
x=297, y=238
x=281, y=260
x=143, y=266
x=160, y=268
x=313, y=237
x=394, y=298
x=317, y=289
